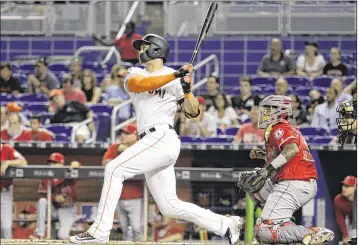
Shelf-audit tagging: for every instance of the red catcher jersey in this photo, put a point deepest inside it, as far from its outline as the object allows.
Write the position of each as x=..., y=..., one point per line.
x=301, y=166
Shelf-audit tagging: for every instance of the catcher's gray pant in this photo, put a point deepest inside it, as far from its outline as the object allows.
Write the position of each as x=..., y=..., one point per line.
x=130, y=213
x=66, y=217
x=287, y=196
x=6, y=213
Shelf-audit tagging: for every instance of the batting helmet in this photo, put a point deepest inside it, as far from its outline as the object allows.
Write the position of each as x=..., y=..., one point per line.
x=56, y=157
x=158, y=48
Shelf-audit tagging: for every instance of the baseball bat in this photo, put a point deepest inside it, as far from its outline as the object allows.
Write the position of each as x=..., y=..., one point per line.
x=204, y=29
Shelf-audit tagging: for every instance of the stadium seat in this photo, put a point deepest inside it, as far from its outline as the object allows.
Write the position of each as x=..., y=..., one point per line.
x=58, y=67
x=263, y=81
x=104, y=126
x=236, y=92
x=187, y=139
x=322, y=90
x=312, y=131
x=322, y=81
x=60, y=129
x=232, y=131
x=218, y=140
x=321, y=140
x=219, y=131
x=32, y=98
x=45, y=117
x=349, y=80
x=302, y=90
x=28, y=67
x=306, y=100
x=62, y=137
x=7, y=97
x=98, y=108
x=295, y=81
x=334, y=131
x=268, y=90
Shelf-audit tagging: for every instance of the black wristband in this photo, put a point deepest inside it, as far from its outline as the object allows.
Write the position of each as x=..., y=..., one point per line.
x=180, y=73
x=186, y=86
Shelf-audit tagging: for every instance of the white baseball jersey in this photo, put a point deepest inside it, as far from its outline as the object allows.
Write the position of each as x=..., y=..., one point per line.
x=155, y=107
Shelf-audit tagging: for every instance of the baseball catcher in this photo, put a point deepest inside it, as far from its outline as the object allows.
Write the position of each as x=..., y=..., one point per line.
x=288, y=180
x=347, y=133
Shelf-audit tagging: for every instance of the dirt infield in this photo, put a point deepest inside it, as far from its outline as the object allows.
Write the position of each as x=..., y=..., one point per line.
x=64, y=242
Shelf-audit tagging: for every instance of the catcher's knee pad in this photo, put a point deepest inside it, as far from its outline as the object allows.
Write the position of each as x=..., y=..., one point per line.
x=288, y=232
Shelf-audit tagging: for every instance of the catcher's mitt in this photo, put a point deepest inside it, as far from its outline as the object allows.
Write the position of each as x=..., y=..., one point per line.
x=252, y=181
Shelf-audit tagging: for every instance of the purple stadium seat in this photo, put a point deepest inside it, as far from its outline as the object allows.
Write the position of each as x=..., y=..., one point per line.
x=232, y=131
x=60, y=129
x=218, y=140
x=302, y=91
x=322, y=81
x=45, y=117
x=104, y=126
x=36, y=107
x=322, y=90
x=352, y=69
x=235, y=91
x=296, y=81
x=14, y=67
x=349, y=80
x=305, y=99
x=268, y=90
x=21, y=76
x=334, y=131
x=187, y=139
x=58, y=67
x=312, y=131
x=98, y=108
x=219, y=131
x=321, y=140
x=32, y=98
x=256, y=90
x=263, y=81
x=7, y=97
x=28, y=67
x=62, y=137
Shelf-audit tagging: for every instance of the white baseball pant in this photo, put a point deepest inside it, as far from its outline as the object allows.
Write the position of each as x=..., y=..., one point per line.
x=155, y=156
x=6, y=202
x=130, y=213
x=66, y=217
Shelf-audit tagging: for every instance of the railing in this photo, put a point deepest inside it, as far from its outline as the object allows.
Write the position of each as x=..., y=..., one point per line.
x=99, y=48
x=206, y=62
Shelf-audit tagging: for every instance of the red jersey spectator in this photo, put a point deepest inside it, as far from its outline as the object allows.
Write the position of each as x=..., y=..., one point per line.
x=16, y=131
x=9, y=157
x=125, y=43
x=39, y=134
x=343, y=205
x=249, y=133
x=132, y=192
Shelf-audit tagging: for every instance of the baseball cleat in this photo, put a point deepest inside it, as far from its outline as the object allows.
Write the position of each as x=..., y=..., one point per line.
x=233, y=231
x=319, y=237
x=353, y=241
x=85, y=237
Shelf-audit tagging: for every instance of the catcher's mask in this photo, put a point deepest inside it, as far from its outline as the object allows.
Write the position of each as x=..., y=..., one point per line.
x=273, y=108
x=346, y=120
x=152, y=47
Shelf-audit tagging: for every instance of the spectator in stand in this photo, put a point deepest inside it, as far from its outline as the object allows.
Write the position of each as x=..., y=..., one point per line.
x=343, y=206
x=124, y=43
x=64, y=196
x=9, y=157
x=16, y=131
x=43, y=80
x=325, y=114
x=16, y=108
x=90, y=88
x=4, y=117
x=130, y=204
x=342, y=96
x=8, y=83
x=212, y=87
x=246, y=100
x=76, y=72
x=202, y=126
x=37, y=133
x=316, y=99
x=70, y=92
x=298, y=112
x=311, y=63
x=71, y=113
x=249, y=133
x=335, y=67
x=118, y=72
x=223, y=112
x=276, y=63
x=281, y=86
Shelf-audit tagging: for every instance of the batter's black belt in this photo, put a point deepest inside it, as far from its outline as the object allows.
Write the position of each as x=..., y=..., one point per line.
x=152, y=130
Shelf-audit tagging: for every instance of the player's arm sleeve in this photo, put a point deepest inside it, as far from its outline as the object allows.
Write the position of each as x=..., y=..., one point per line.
x=340, y=217
x=137, y=83
x=282, y=136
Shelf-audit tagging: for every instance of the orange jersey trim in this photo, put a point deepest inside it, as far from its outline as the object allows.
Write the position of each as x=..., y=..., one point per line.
x=138, y=84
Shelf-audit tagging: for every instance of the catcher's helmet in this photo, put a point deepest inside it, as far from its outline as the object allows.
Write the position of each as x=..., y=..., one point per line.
x=347, y=117
x=273, y=108
x=56, y=158
x=158, y=48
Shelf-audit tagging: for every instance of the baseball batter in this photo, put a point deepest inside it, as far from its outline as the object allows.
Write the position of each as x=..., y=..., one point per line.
x=293, y=178
x=156, y=92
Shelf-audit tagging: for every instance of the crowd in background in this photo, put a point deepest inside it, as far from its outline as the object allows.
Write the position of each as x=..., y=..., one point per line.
x=70, y=98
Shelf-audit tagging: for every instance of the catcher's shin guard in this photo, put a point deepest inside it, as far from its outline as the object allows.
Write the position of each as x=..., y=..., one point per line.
x=283, y=233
